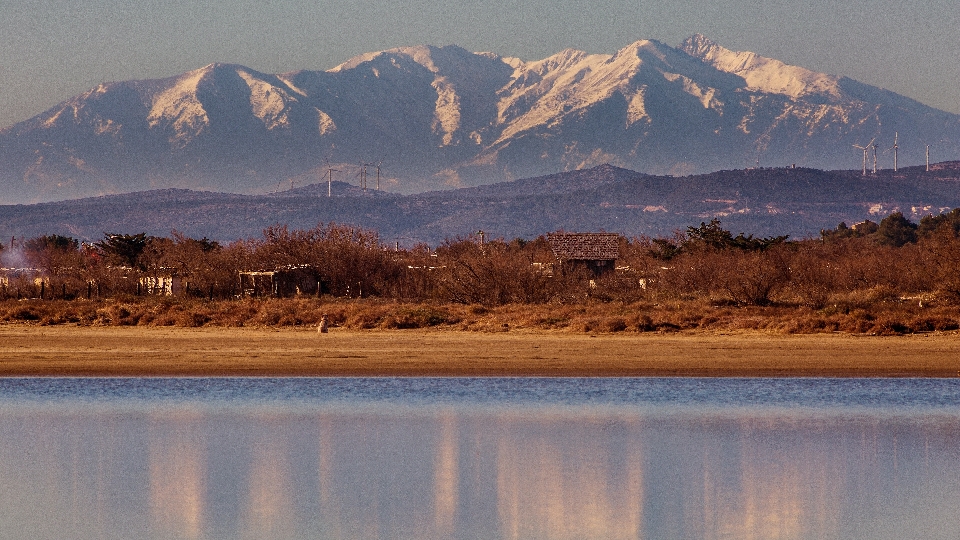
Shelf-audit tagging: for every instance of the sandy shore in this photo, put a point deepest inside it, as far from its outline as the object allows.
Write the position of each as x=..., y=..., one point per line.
x=135, y=351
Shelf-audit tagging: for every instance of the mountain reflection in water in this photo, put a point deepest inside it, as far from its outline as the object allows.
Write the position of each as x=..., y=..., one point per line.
x=160, y=468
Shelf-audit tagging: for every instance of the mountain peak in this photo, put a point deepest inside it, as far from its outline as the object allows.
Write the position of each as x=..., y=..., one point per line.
x=761, y=73
x=697, y=45
x=645, y=46
x=428, y=56
x=221, y=66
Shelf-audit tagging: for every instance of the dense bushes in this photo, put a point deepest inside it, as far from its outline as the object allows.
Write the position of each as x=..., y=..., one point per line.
x=887, y=277
x=854, y=314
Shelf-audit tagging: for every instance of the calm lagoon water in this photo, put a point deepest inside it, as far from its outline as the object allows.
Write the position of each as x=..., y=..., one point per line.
x=517, y=458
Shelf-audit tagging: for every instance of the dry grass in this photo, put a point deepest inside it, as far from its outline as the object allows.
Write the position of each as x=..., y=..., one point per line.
x=868, y=312
x=68, y=350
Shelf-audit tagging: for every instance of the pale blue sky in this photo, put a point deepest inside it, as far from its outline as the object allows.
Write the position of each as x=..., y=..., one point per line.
x=51, y=50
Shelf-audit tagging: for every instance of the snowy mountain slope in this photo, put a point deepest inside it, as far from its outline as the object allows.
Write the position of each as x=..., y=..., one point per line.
x=762, y=74
x=441, y=117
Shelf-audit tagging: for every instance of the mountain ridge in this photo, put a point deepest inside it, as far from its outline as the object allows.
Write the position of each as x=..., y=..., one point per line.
x=772, y=201
x=444, y=117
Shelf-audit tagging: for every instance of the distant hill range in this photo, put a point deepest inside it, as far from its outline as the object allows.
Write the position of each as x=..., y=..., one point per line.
x=442, y=118
x=765, y=202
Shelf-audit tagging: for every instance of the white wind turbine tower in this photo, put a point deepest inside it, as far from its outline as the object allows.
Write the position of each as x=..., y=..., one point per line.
x=895, y=148
x=378, y=174
x=363, y=174
x=928, y=151
x=330, y=171
x=875, y=146
x=864, y=148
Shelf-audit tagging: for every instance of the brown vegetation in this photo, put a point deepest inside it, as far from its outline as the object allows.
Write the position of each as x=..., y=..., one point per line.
x=162, y=351
x=873, y=311
x=894, y=277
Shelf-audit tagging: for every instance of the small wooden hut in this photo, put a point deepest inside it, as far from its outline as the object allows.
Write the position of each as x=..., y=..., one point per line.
x=161, y=285
x=282, y=282
x=598, y=252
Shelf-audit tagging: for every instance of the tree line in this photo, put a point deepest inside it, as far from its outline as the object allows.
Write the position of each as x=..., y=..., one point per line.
x=894, y=259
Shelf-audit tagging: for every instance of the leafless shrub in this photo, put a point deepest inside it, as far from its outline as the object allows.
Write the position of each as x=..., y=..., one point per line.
x=495, y=273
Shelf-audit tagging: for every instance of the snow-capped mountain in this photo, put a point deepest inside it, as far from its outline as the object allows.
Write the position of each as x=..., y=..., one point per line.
x=437, y=117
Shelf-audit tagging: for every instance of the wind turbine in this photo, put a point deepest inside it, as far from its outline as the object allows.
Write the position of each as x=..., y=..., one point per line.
x=895, y=148
x=363, y=175
x=330, y=171
x=875, y=145
x=928, y=151
x=329, y=175
x=864, y=148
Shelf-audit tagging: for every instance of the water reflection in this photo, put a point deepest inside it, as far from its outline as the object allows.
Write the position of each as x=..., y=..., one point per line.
x=177, y=470
x=187, y=472
x=568, y=479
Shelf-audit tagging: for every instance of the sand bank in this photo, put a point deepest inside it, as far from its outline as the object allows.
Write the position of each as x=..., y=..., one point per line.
x=136, y=351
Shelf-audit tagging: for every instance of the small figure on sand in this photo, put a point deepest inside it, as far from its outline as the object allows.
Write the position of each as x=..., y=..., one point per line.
x=323, y=325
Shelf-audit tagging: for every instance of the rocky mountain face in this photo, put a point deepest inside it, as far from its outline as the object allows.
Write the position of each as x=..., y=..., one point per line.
x=439, y=118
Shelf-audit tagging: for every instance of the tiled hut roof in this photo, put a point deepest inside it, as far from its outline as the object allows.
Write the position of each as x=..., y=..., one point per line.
x=585, y=246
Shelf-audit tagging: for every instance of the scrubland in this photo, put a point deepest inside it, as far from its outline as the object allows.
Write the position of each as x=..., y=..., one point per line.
x=888, y=278
x=856, y=314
